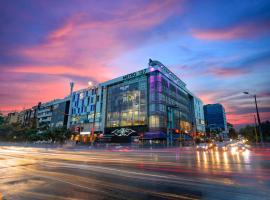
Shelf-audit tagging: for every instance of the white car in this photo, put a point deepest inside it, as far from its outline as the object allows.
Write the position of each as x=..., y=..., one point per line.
x=237, y=147
x=221, y=146
x=202, y=146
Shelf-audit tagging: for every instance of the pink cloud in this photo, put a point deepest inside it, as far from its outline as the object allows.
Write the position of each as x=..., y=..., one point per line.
x=238, y=111
x=245, y=30
x=100, y=75
x=83, y=47
x=26, y=95
x=83, y=41
x=240, y=119
x=227, y=72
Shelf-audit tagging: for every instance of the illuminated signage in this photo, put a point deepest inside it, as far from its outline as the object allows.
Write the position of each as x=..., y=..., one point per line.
x=171, y=75
x=134, y=74
x=84, y=133
x=123, y=132
x=165, y=71
x=124, y=87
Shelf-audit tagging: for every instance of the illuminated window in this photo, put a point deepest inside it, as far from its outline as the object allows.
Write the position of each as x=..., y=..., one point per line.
x=154, y=121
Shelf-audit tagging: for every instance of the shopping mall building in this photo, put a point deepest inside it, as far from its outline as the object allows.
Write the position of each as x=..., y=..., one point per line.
x=146, y=104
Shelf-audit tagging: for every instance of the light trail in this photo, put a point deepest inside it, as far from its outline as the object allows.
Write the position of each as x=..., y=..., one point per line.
x=135, y=174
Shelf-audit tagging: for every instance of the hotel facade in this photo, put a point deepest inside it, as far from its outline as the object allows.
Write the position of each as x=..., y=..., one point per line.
x=145, y=104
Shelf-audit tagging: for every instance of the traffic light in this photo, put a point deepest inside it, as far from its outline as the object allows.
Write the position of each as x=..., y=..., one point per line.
x=78, y=129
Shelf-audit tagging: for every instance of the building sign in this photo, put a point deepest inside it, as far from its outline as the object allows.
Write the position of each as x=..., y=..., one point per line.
x=123, y=132
x=135, y=74
x=165, y=71
x=85, y=133
x=171, y=76
x=123, y=88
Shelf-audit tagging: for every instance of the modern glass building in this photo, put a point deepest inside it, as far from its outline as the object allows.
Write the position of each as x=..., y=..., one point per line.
x=86, y=109
x=215, y=118
x=147, y=104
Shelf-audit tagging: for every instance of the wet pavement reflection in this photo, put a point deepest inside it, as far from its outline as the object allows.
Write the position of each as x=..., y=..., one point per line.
x=133, y=173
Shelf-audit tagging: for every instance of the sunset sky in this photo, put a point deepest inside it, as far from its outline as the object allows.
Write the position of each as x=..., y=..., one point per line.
x=218, y=48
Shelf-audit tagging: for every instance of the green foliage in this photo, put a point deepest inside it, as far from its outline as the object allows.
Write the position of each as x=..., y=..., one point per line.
x=56, y=134
x=232, y=132
x=249, y=132
x=1, y=119
x=15, y=132
x=266, y=131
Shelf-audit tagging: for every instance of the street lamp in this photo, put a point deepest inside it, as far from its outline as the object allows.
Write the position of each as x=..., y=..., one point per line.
x=90, y=84
x=70, y=104
x=169, y=112
x=258, y=115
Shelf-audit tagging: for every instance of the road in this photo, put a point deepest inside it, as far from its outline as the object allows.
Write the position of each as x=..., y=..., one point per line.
x=133, y=173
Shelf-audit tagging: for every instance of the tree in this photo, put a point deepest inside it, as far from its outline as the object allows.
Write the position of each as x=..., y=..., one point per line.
x=1, y=119
x=232, y=132
x=266, y=131
x=249, y=133
x=56, y=134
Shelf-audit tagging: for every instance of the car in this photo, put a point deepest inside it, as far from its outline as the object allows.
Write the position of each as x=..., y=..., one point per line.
x=202, y=146
x=211, y=145
x=237, y=147
x=221, y=146
x=241, y=147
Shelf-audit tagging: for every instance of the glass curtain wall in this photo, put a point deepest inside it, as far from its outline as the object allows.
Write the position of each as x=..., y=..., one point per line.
x=163, y=93
x=127, y=103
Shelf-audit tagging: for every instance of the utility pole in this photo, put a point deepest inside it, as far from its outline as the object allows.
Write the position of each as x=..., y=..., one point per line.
x=259, y=119
x=170, y=119
x=258, y=115
x=255, y=129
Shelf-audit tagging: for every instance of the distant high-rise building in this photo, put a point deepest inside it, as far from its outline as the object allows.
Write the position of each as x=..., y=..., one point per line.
x=215, y=118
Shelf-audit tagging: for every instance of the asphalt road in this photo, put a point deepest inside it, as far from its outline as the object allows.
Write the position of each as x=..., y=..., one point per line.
x=133, y=173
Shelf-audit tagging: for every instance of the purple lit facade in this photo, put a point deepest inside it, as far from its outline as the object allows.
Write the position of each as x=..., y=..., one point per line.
x=138, y=105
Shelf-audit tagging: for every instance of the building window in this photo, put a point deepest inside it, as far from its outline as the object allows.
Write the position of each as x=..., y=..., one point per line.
x=154, y=121
x=127, y=103
x=91, y=108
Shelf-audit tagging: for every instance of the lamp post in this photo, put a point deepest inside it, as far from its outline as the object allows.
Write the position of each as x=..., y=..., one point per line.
x=255, y=129
x=258, y=115
x=169, y=111
x=70, y=105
